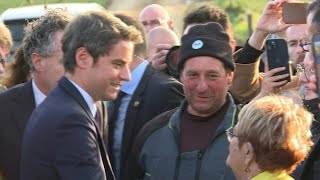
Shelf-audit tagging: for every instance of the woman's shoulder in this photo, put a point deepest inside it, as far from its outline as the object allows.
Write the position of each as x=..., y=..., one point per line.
x=266, y=175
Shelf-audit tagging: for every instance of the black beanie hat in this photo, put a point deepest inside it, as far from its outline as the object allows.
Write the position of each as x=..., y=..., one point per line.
x=206, y=40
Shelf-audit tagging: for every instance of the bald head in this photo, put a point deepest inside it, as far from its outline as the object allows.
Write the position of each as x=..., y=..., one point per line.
x=155, y=15
x=294, y=35
x=160, y=35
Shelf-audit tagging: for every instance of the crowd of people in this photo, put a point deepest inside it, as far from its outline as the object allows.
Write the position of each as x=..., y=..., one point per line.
x=104, y=95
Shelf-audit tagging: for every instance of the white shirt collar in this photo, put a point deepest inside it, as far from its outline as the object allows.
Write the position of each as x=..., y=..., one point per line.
x=38, y=95
x=87, y=98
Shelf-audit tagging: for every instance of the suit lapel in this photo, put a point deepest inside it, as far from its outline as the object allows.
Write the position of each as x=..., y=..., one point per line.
x=143, y=82
x=70, y=89
x=104, y=117
x=134, y=105
x=25, y=104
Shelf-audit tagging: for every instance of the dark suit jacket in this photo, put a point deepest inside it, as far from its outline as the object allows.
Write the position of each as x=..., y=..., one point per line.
x=311, y=169
x=61, y=140
x=16, y=106
x=156, y=93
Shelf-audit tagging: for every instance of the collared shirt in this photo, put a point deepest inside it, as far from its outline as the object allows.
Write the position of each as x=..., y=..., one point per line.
x=277, y=175
x=129, y=88
x=87, y=98
x=38, y=95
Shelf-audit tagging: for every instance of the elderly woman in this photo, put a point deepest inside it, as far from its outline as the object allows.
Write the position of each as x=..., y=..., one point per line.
x=270, y=139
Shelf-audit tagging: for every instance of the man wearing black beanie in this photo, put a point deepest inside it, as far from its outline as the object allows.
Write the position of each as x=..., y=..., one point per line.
x=206, y=40
x=189, y=142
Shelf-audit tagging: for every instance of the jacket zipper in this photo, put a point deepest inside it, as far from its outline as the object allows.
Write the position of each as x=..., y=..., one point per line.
x=200, y=153
x=199, y=163
x=176, y=171
x=178, y=159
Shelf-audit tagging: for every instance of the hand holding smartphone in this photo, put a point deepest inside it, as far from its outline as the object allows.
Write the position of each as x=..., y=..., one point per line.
x=294, y=12
x=277, y=54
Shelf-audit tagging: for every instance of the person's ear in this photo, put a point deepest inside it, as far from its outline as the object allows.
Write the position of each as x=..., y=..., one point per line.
x=248, y=152
x=170, y=24
x=233, y=44
x=230, y=78
x=83, y=58
x=37, y=62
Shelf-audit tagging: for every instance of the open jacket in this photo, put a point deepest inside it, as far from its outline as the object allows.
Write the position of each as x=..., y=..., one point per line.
x=156, y=153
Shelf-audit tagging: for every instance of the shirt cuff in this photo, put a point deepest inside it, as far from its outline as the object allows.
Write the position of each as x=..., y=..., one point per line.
x=248, y=54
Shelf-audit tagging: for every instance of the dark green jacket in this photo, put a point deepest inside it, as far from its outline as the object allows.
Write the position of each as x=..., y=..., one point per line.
x=156, y=152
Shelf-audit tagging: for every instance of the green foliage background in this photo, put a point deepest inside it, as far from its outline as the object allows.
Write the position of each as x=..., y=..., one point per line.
x=238, y=10
x=5, y=4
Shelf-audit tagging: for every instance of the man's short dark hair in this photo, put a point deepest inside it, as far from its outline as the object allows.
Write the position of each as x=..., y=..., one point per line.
x=97, y=32
x=314, y=7
x=139, y=49
x=205, y=14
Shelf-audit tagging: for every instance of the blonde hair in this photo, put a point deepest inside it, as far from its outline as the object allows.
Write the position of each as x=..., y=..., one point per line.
x=5, y=36
x=294, y=95
x=279, y=131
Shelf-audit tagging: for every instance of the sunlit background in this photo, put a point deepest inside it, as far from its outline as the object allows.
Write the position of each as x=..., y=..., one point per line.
x=243, y=13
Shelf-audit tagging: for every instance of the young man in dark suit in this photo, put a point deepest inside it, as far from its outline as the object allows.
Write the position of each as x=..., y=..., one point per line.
x=62, y=140
x=43, y=53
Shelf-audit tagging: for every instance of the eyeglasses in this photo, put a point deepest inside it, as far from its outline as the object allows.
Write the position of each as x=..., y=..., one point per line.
x=306, y=71
x=304, y=44
x=230, y=134
x=152, y=23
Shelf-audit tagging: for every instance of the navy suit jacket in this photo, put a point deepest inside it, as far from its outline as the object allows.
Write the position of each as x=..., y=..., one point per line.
x=16, y=106
x=61, y=140
x=156, y=93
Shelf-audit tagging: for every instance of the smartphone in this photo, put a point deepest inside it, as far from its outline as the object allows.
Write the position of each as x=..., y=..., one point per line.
x=294, y=12
x=316, y=57
x=277, y=55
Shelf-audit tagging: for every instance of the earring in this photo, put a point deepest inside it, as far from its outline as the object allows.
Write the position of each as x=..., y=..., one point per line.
x=246, y=170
